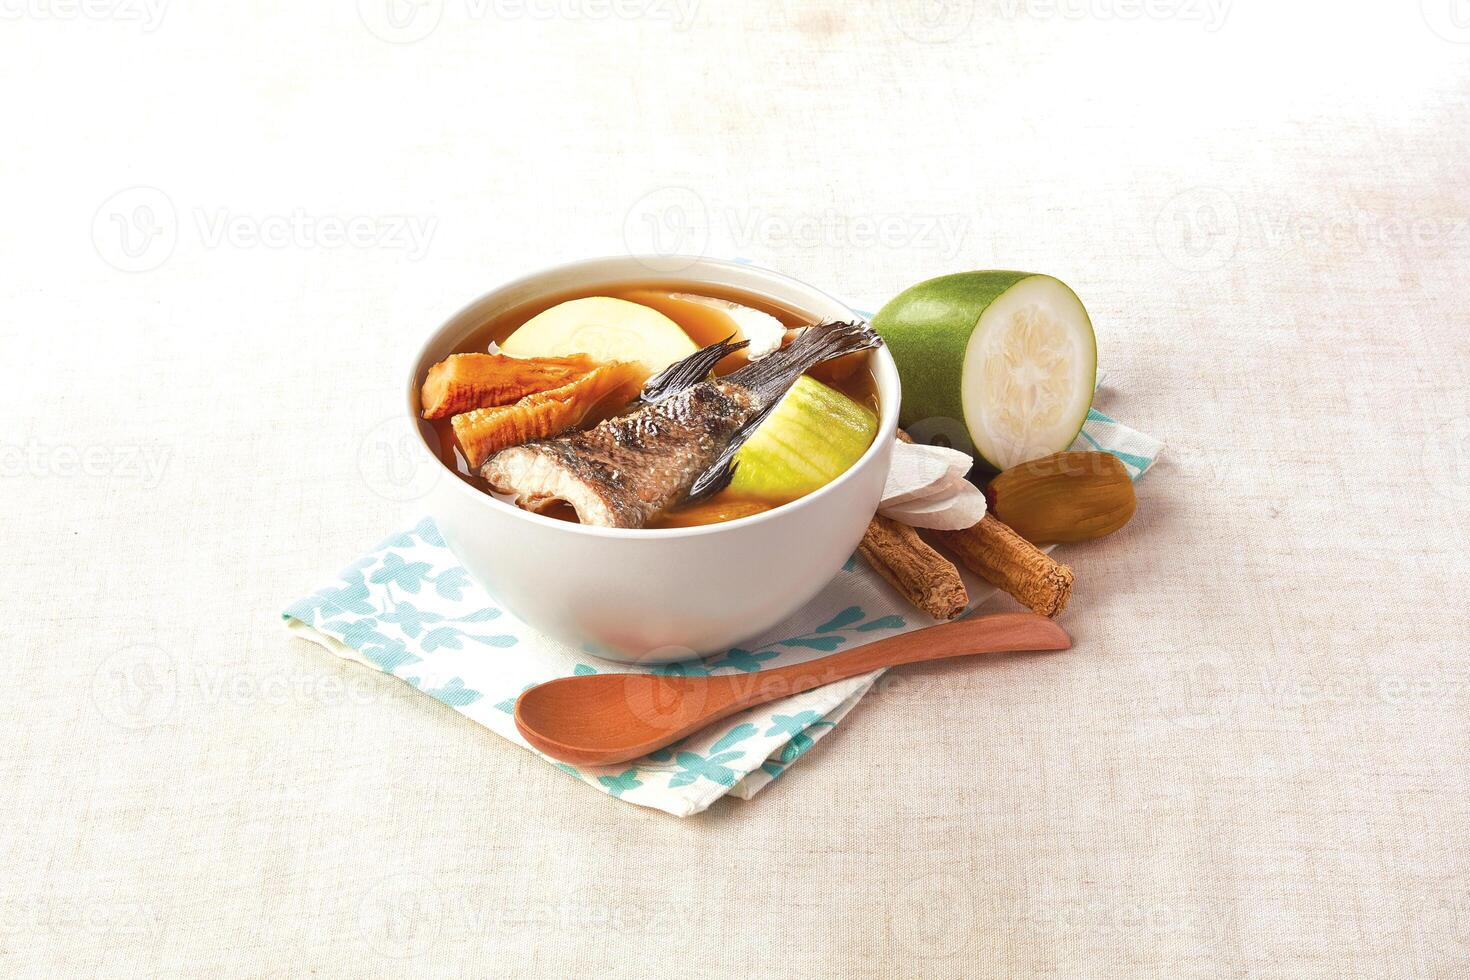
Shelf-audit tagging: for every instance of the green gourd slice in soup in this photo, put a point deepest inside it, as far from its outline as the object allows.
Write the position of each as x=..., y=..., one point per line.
x=812, y=436
x=1003, y=364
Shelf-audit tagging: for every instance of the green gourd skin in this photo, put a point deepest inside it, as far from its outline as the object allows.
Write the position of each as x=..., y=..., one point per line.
x=927, y=328
x=930, y=327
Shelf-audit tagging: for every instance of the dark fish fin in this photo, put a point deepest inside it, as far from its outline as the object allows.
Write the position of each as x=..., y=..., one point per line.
x=689, y=372
x=770, y=376
x=722, y=470
x=712, y=482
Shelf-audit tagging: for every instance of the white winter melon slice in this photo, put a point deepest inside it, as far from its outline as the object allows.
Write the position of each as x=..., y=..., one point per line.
x=606, y=328
x=1004, y=360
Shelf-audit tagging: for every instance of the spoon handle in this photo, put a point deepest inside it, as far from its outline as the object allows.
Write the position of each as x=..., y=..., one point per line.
x=996, y=633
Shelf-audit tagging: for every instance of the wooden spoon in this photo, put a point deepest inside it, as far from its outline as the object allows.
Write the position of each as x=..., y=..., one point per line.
x=605, y=719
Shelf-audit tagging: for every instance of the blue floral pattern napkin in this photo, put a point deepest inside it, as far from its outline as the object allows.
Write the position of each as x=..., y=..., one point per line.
x=409, y=609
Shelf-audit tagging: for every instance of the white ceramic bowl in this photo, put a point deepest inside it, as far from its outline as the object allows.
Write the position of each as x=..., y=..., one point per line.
x=654, y=596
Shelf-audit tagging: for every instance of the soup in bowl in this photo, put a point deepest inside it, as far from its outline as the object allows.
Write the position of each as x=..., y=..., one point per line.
x=654, y=467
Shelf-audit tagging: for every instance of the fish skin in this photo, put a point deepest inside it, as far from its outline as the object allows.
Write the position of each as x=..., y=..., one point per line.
x=627, y=470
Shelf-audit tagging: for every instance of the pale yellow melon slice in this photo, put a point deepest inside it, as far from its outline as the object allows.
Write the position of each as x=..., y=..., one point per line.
x=608, y=329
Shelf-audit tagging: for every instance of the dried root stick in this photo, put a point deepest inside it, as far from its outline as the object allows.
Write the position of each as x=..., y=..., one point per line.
x=1012, y=564
x=922, y=575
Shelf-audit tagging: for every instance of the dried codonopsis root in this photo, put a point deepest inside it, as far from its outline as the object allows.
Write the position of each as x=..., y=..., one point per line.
x=464, y=382
x=1012, y=564
x=486, y=431
x=922, y=575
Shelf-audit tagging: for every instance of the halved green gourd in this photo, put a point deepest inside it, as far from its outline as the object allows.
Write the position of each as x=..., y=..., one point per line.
x=809, y=440
x=1003, y=361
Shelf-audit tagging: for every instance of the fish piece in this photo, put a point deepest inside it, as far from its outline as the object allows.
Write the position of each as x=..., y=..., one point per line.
x=484, y=432
x=463, y=382
x=678, y=445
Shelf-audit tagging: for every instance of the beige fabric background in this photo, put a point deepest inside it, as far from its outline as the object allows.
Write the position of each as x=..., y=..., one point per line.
x=1254, y=763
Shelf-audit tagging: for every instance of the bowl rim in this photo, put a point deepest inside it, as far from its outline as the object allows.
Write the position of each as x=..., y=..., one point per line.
x=885, y=373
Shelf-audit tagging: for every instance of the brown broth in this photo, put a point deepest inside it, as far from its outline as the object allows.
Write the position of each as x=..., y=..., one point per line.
x=851, y=375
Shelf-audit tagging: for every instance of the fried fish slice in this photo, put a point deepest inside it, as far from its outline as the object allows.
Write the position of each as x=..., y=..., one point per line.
x=463, y=382
x=484, y=432
x=678, y=445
